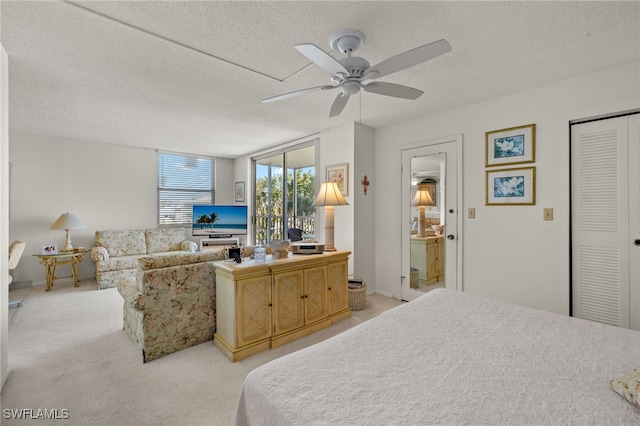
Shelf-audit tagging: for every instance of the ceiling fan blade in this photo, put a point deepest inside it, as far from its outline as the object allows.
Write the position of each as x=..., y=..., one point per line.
x=297, y=93
x=391, y=89
x=321, y=58
x=338, y=104
x=409, y=58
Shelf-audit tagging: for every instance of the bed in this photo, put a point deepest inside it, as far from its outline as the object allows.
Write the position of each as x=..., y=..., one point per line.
x=450, y=358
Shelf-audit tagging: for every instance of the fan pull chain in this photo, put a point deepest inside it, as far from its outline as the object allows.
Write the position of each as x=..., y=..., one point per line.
x=360, y=122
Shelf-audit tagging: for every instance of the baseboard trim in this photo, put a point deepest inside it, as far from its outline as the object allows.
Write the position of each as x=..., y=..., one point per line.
x=20, y=284
x=384, y=293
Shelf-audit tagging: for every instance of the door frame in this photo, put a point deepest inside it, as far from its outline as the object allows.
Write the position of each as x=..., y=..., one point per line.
x=453, y=193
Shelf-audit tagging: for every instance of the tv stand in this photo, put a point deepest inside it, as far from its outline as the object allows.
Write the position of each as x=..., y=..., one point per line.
x=217, y=243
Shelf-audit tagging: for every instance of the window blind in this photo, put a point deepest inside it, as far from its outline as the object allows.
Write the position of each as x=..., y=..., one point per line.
x=183, y=180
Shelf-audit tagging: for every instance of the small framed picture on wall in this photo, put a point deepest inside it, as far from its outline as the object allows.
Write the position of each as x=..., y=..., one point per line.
x=515, y=145
x=339, y=173
x=240, y=194
x=511, y=187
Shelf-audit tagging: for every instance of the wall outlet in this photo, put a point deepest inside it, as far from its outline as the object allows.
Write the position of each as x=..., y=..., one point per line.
x=472, y=213
x=548, y=213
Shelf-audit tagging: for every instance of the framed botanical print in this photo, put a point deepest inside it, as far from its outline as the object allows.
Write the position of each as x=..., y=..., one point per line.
x=514, y=145
x=339, y=173
x=511, y=187
x=240, y=192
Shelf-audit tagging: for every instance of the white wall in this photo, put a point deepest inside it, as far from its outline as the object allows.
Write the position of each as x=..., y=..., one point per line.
x=336, y=147
x=4, y=213
x=225, y=183
x=509, y=252
x=107, y=186
x=364, y=205
x=354, y=224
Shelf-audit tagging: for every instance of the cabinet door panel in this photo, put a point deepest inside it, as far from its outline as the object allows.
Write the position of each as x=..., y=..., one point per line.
x=337, y=287
x=315, y=295
x=432, y=261
x=419, y=258
x=254, y=312
x=288, y=301
x=440, y=263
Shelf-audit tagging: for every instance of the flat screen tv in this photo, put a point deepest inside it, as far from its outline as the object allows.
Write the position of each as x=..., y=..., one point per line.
x=219, y=221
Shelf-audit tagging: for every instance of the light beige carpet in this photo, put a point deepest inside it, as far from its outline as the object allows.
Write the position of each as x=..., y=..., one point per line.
x=69, y=355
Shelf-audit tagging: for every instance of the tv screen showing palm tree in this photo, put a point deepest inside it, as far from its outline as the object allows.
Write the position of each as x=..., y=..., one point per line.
x=216, y=220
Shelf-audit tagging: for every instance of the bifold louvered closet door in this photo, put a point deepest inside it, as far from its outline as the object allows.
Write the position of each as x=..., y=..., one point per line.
x=605, y=222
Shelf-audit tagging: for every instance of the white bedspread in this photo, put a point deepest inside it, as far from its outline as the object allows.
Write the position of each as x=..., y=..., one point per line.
x=450, y=358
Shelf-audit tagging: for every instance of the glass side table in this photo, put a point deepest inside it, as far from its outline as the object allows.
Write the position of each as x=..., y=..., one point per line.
x=51, y=261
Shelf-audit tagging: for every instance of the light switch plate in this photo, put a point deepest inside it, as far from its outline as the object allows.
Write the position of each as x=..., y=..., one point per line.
x=548, y=213
x=472, y=213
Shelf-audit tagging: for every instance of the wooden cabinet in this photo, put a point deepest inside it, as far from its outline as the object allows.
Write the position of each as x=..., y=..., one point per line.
x=427, y=255
x=265, y=305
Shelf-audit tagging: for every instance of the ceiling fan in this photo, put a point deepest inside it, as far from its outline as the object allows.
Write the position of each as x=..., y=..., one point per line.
x=350, y=73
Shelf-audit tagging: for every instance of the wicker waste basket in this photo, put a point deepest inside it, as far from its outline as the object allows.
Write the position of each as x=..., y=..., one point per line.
x=357, y=292
x=414, y=278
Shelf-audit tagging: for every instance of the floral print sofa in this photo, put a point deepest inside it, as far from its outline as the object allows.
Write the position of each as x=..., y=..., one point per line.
x=116, y=253
x=171, y=304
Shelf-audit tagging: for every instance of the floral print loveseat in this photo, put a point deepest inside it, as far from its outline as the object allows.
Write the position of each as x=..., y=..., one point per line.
x=116, y=253
x=171, y=304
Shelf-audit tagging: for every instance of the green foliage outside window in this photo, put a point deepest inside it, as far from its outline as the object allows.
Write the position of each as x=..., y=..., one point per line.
x=299, y=208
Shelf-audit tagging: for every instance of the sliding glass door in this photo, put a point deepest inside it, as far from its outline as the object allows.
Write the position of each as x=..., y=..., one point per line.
x=284, y=189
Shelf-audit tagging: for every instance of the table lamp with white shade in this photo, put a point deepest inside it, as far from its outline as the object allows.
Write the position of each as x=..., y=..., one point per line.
x=422, y=199
x=67, y=221
x=329, y=196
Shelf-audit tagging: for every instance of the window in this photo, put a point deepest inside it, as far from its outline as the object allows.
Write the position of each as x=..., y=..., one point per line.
x=284, y=190
x=183, y=180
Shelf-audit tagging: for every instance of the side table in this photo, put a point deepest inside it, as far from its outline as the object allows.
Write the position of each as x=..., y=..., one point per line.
x=51, y=261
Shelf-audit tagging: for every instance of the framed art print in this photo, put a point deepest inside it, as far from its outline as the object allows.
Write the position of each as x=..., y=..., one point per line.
x=515, y=187
x=339, y=173
x=240, y=192
x=515, y=145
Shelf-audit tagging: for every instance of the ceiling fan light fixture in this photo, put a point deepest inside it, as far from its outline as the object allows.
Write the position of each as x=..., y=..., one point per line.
x=350, y=87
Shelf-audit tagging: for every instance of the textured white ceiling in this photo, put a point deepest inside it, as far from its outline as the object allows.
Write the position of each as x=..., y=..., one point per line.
x=189, y=76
